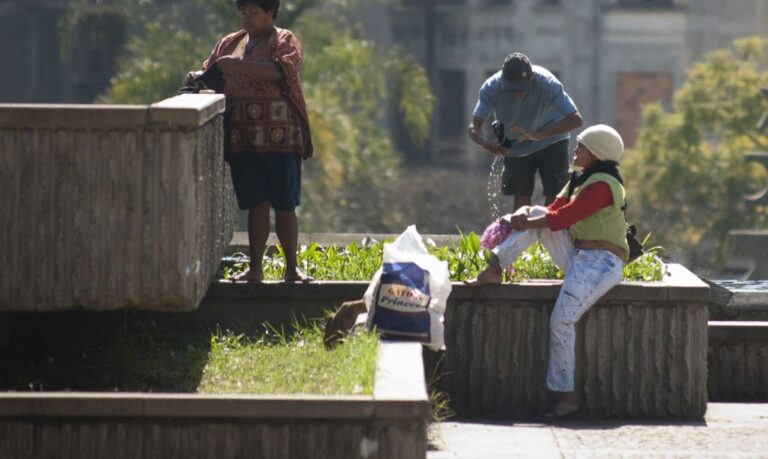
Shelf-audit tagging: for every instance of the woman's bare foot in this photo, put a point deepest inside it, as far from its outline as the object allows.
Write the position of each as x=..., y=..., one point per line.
x=567, y=404
x=297, y=275
x=250, y=275
x=490, y=275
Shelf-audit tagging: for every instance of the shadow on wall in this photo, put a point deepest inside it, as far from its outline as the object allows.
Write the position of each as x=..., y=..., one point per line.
x=116, y=351
x=121, y=351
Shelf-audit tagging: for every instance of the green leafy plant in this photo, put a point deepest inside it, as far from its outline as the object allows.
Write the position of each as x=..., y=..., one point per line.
x=465, y=260
x=535, y=263
x=648, y=267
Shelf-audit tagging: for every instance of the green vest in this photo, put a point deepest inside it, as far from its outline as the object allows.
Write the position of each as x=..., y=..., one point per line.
x=607, y=224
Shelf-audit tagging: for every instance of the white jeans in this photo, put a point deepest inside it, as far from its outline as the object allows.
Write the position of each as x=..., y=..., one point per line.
x=589, y=274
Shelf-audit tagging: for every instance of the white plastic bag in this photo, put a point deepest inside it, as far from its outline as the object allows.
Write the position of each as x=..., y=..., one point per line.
x=407, y=297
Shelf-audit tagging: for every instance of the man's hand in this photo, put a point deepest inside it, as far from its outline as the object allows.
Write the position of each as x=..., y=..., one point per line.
x=496, y=149
x=567, y=124
x=491, y=146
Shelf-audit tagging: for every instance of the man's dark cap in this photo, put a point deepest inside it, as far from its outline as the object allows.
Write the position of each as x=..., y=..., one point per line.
x=516, y=72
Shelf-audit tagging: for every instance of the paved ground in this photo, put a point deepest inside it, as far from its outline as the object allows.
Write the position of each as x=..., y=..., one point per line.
x=730, y=430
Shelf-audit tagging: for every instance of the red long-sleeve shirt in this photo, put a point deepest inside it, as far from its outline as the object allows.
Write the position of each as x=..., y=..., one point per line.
x=562, y=214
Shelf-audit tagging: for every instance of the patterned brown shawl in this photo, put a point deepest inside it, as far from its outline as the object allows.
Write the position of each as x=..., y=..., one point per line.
x=265, y=116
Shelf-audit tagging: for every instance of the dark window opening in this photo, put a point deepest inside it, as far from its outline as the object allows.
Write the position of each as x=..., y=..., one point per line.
x=646, y=2
x=451, y=103
x=95, y=61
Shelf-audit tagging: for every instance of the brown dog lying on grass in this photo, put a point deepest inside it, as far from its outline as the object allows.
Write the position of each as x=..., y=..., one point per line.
x=341, y=322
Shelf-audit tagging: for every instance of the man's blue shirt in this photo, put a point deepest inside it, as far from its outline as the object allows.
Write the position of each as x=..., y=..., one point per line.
x=545, y=103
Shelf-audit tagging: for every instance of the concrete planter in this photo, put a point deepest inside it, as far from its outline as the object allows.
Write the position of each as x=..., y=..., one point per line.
x=390, y=424
x=641, y=351
x=108, y=207
x=738, y=361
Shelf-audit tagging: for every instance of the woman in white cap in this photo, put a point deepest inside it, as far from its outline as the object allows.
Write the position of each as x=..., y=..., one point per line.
x=584, y=231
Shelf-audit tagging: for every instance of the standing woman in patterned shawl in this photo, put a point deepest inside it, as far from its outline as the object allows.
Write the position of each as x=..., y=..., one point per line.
x=267, y=128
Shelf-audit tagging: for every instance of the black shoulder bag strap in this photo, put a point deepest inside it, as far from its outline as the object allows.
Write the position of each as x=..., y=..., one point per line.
x=635, y=246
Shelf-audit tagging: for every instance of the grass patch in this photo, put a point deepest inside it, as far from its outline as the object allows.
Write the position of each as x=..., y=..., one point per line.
x=465, y=260
x=296, y=363
x=140, y=356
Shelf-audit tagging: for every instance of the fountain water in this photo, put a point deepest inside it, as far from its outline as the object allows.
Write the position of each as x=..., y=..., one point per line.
x=493, y=189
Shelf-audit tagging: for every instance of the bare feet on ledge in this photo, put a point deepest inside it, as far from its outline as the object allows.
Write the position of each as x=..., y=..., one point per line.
x=297, y=275
x=250, y=276
x=489, y=276
x=566, y=405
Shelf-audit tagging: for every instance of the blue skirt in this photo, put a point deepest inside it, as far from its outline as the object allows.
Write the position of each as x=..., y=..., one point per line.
x=272, y=177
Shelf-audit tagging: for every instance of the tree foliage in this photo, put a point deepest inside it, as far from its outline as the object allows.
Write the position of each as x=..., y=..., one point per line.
x=687, y=176
x=351, y=86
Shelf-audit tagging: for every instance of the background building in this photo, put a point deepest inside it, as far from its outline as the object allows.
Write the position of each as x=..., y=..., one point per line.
x=612, y=55
x=42, y=64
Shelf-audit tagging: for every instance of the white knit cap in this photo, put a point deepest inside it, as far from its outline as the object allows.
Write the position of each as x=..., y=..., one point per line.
x=603, y=141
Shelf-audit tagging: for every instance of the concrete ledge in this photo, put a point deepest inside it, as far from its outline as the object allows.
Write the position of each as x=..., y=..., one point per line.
x=111, y=207
x=743, y=305
x=88, y=117
x=187, y=110
x=738, y=361
x=400, y=373
x=97, y=405
x=678, y=284
x=737, y=331
x=391, y=423
x=526, y=290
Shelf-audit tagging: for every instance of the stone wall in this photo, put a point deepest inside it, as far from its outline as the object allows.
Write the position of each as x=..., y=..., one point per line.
x=641, y=350
x=390, y=424
x=738, y=361
x=108, y=207
x=635, y=358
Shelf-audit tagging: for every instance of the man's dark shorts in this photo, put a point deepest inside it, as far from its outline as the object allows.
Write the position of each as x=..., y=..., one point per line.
x=273, y=177
x=551, y=163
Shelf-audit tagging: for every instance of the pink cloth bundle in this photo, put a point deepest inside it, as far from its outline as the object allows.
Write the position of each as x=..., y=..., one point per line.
x=495, y=234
